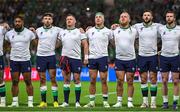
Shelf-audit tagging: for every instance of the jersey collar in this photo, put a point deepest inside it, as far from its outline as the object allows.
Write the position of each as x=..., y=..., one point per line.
x=147, y=25
x=69, y=29
x=170, y=27
x=19, y=30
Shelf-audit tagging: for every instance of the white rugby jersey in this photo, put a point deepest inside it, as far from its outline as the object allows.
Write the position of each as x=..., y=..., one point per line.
x=71, y=43
x=2, y=33
x=170, y=40
x=147, y=38
x=20, y=43
x=47, y=40
x=124, y=43
x=98, y=42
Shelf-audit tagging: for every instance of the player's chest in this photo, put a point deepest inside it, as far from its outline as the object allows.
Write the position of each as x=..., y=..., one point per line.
x=124, y=34
x=98, y=35
x=170, y=35
x=143, y=31
x=70, y=36
x=19, y=37
x=47, y=34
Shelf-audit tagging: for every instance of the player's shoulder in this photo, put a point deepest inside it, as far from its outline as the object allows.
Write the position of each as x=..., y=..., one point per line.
x=162, y=27
x=177, y=27
x=91, y=29
x=39, y=29
x=57, y=28
x=157, y=24
x=138, y=25
x=27, y=30
x=1, y=27
x=107, y=29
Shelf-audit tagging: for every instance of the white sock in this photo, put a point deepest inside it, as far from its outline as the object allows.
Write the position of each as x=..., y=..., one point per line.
x=175, y=98
x=92, y=98
x=3, y=99
x=119, y=98
x=30, y=98
x=15, y=99
x=165, y=99
x=130, y=99
x=145, y=100
x=153, y=99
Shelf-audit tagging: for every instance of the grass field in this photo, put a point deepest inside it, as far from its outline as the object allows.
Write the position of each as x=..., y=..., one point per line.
x=84, y=98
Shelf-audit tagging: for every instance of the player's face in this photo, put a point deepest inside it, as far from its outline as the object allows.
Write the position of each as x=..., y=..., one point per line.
x=47, y=21
x=147, y=17
x=99, y=20
x=170, y=18
x=18, y=23
x=124, y=19
x=70, y=21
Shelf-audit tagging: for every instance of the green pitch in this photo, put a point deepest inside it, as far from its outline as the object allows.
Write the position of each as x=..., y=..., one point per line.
x=84, y=98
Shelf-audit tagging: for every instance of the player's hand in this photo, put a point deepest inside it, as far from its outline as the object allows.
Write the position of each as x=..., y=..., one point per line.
x=32, y=29
x=88, y=28
x=114, y=26
x=81, y=30
x=86, y=61
x=6, y=26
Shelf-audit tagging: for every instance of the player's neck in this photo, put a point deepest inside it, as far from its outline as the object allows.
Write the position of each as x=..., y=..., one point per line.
x=47, y=27
x=19, y=29
x=71, y=27
x=124, y=26
x=147, y=24
x=171, y=26
x=100, y=26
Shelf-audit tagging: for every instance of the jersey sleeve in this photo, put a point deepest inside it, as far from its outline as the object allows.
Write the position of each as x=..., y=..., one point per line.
x=32, y=35
x=110, y=36
x=61, y=33
x=83, y=36
x=160, y=30
x=7, y=36
x=4, y=30
x=87, y=34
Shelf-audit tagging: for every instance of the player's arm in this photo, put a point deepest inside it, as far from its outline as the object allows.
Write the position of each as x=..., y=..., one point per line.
x=58, y=44
x=85, y=48
x=5, y=25
x=88, y=28
x=114, y=26
x=35, y=40
x=6, y=44
x=84, y=43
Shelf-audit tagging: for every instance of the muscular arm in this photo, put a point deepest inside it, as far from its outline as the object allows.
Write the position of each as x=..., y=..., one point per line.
x=85, y=48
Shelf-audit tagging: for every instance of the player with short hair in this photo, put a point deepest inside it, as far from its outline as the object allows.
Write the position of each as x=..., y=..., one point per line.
x=147, y=57
x=3, y=29
x=20, y=38
x=125, y=64
x=46, y=60
x=72, y=40
x=99, y=37
x=169, y=58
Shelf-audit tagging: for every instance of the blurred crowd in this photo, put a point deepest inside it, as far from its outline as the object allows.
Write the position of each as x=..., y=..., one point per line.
x=84, y=10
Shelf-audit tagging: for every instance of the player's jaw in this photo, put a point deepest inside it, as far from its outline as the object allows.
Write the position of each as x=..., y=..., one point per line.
x=147, y=20
x=99, y=21
x=124, y=22
x=70, y=22
x=47, y=21
x=18, y=24
x=147, y=17
x=170, y=18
